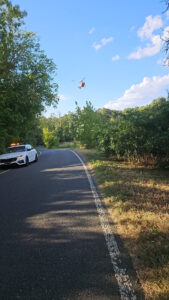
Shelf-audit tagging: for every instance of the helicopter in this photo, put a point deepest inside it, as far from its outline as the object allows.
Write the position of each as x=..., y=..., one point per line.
x=81, y=84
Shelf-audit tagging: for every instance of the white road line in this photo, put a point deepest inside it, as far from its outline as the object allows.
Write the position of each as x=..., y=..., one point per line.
x=124, y=283
x=4, y=172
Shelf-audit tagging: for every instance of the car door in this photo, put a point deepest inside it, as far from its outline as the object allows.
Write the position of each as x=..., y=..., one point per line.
x=30, y=153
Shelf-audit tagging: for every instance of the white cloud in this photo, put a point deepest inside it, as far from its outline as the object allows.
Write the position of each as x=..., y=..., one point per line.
x=151, y=24
x=105, y=41
x=91, y=30
x=102, y=43
x=97, y=46
x=151, y=49
x=115, y=58
x=154, y=42
x=141, y=93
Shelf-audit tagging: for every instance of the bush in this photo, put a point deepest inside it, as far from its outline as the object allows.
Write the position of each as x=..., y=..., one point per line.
x=50, y=139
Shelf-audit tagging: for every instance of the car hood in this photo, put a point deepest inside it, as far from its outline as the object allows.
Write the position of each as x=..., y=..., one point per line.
x=11, y=155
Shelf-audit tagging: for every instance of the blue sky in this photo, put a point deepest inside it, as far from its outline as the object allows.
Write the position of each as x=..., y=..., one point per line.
x=115, y=46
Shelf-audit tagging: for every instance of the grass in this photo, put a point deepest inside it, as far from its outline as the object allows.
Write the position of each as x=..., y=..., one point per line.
x=138, y=200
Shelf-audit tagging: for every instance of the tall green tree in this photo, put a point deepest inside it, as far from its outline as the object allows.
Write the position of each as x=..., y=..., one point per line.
x=26, y=77
x=87, y=124
x=49, y=138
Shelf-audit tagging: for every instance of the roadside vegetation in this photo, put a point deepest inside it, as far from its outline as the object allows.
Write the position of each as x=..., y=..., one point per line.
x=138, y=201
x=26, y=78
x=140, y=134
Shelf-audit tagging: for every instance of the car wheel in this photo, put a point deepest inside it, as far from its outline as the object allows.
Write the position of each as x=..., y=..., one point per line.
x=36, y=158
x=27, y=161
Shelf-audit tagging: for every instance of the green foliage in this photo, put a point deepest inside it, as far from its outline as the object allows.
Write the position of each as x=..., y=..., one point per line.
x=107, y=125
x=133, y=133
x=87, y=125
x=63, y=127
x=141, y=131
x=49, y=138
x=104, y=138
x=26, y=77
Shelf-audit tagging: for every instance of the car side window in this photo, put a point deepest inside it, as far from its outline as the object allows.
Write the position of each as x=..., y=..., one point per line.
x=28, y=147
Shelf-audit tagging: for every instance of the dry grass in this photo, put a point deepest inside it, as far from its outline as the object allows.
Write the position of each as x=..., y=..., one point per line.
x=138, y=199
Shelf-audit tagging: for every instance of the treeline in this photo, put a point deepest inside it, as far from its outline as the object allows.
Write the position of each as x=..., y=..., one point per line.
x=56, y=130
x=27, y=86
x=138, y=133
x=26, y=78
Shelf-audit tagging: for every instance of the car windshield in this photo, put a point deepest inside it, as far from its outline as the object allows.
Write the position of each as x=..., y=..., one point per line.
x=16, y=149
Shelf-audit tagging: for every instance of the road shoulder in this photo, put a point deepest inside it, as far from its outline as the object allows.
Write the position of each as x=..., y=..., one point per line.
x=122, y=260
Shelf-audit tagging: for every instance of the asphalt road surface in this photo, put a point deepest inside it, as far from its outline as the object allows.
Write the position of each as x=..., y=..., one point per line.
x=52, y=244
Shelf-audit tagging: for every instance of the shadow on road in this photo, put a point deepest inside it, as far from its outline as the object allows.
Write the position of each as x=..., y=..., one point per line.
x=52, y=245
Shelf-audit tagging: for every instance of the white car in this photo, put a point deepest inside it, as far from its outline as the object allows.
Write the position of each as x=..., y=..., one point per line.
x=19, y=155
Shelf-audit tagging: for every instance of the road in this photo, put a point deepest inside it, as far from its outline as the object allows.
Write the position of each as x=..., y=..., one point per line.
x=52, y=244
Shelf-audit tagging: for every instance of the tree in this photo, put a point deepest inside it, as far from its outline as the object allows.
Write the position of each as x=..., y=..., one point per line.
x=64, y=127
x=166, y=38
x=87, y=125
x=142, y=131
x=49, y=138
x=26, y=77
x=167, y=4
